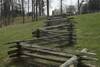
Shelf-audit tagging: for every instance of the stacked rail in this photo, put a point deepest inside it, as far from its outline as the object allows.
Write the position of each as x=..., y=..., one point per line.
x=57, y=32
x=46, y=56
x=60, y=31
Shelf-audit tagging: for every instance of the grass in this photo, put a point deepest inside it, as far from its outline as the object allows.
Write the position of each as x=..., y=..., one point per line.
x=13, y=33
x=88, y=32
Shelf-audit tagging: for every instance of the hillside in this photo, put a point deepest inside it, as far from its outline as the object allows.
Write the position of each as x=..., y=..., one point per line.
x=88, y=34
x=14, y=33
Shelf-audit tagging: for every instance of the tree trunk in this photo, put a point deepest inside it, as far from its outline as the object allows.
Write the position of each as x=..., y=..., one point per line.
x=28, y=6
x=23, y=11
x=36, y=10
x=78, y=6
x=61, y=7
x=47, y=8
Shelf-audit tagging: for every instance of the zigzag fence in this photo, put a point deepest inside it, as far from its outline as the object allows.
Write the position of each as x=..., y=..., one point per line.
x=59, y=31
x=47, y=56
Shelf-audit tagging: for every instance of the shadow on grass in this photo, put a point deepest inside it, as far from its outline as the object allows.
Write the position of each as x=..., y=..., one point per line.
x=23, y=63
x=19, y=63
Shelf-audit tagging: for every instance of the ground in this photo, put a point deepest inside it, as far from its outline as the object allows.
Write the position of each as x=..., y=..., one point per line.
x=87, y=29
x=88, y=32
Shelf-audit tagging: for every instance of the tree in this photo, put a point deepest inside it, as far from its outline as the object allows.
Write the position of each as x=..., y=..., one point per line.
x=80, y=5
x=94, y=5
x=37, y=9
x=9, y=10
x=71, y=10
x=47, y=8
x=1, y=18
x=41, y=7
x=23, y=13
x=28, y=6
x=61, y=10
x=84, y=9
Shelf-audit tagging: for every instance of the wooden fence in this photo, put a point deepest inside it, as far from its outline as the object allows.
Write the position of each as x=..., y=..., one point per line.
x=22, y=50
x=58, y=31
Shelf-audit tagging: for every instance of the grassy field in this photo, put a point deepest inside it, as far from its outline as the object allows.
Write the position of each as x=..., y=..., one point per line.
x=13, y=33
x=88, y=34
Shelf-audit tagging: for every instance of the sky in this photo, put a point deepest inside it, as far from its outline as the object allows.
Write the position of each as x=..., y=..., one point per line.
x=55, y=4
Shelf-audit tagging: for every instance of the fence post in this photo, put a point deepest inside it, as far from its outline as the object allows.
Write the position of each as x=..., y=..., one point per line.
x=79, y=64
x=71, y=35
x=38, y=33
x=19, y=50
x=69, y=62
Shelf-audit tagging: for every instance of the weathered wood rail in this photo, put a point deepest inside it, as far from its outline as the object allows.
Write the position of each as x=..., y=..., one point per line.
x=58, y=30
x=55, y=21
x=23, y=50
x=61, y=33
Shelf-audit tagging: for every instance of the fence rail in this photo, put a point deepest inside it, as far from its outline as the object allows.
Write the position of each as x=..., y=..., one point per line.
x=57, y=31
x=21, y=49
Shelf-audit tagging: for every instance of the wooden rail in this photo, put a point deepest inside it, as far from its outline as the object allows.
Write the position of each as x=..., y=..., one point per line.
x=76, y=60
x=72, y=61
x=58, y=19
x=48, y=35
x=49, y=54
x=56, y=26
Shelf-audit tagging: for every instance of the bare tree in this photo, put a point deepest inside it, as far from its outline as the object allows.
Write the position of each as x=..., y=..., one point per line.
x=33, y=10
x=79, y=5
x=23, y=13
x=61, y=7
x=47, y=8
x=36, y=10
x=28, y=6
x=10, y=9
x=1, y=18
x=94, y=5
